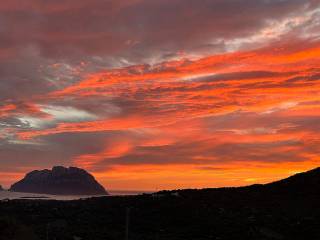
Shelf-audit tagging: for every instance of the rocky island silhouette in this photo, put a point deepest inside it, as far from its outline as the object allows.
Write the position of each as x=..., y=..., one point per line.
x=59, y=181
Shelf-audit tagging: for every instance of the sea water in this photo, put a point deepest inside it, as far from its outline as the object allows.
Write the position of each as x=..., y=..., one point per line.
x=17, y=195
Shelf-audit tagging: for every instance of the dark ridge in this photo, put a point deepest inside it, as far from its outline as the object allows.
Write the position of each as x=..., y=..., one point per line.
x=59, y=181
x=300, y=183
x=288, y=209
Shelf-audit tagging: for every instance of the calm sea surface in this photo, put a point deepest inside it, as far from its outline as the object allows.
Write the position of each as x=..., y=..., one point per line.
x=17, y=195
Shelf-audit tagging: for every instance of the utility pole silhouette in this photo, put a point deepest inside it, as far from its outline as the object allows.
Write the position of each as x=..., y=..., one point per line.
x=47, y=231
x=127, y=223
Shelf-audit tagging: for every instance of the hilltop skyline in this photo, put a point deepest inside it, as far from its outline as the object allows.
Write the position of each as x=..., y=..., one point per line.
x=150, y=95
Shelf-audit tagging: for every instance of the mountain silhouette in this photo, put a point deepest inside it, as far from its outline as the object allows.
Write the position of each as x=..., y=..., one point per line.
x=300, y=184
x=59, y=181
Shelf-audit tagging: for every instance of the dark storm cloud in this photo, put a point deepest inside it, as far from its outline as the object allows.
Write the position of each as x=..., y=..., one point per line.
x=39, y=33
x=93, y=28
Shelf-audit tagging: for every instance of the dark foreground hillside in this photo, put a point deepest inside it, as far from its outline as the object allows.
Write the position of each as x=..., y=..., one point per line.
x=289, y=209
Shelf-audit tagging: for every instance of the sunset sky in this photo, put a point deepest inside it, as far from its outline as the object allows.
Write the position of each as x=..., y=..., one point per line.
x=160, y=94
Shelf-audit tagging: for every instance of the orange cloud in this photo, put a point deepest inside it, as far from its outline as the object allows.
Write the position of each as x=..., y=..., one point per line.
x=254, y=107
